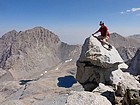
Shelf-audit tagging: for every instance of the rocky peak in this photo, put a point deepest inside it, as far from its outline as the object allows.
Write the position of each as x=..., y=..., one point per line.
x=9, y=37
x=93, y=57
x=98, y=65
x=117, y=40
x=93, y=51
x=114, y=34
x=126, y=46
x=9, y=34
x=32, y=51
x=39, y=36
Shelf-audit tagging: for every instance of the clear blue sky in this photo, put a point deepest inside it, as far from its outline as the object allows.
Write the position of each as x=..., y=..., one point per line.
x=71, y=20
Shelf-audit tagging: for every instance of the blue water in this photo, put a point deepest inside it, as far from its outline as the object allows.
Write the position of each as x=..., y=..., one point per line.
x=66, y=81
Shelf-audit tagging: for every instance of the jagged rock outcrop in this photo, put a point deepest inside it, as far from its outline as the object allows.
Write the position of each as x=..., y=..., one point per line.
x=98, y=65
x=134, y=67
x=131, y=97
x=105, y=91
x=123, y=81
x=86, y=98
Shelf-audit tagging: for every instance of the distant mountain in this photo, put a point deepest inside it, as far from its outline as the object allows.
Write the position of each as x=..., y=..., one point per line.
x=135, y=36
x=126, y=46
x=25, y=53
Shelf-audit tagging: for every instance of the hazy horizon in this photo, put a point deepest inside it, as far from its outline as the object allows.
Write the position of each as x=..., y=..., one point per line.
x=71, y=20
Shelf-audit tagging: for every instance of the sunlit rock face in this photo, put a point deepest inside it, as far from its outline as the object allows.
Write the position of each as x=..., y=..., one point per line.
x=96, y=63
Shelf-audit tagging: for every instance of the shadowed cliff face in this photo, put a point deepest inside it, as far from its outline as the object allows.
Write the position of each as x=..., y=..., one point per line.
x=134, y=67
x=31, y=51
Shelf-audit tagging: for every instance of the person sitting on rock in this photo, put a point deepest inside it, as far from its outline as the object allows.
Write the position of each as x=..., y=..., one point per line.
x=104, y=34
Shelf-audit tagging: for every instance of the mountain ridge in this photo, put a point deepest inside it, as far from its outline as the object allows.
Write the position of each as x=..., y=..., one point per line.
x=126, y=46
x=34, y=50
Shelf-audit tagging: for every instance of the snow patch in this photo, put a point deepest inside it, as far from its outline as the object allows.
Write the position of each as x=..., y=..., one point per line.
x=45, y=72
x=41, y=74
x=68, y=60
x=56, y=68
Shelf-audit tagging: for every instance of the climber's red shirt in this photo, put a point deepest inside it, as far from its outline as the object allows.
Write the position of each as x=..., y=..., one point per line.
x=103, y=31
